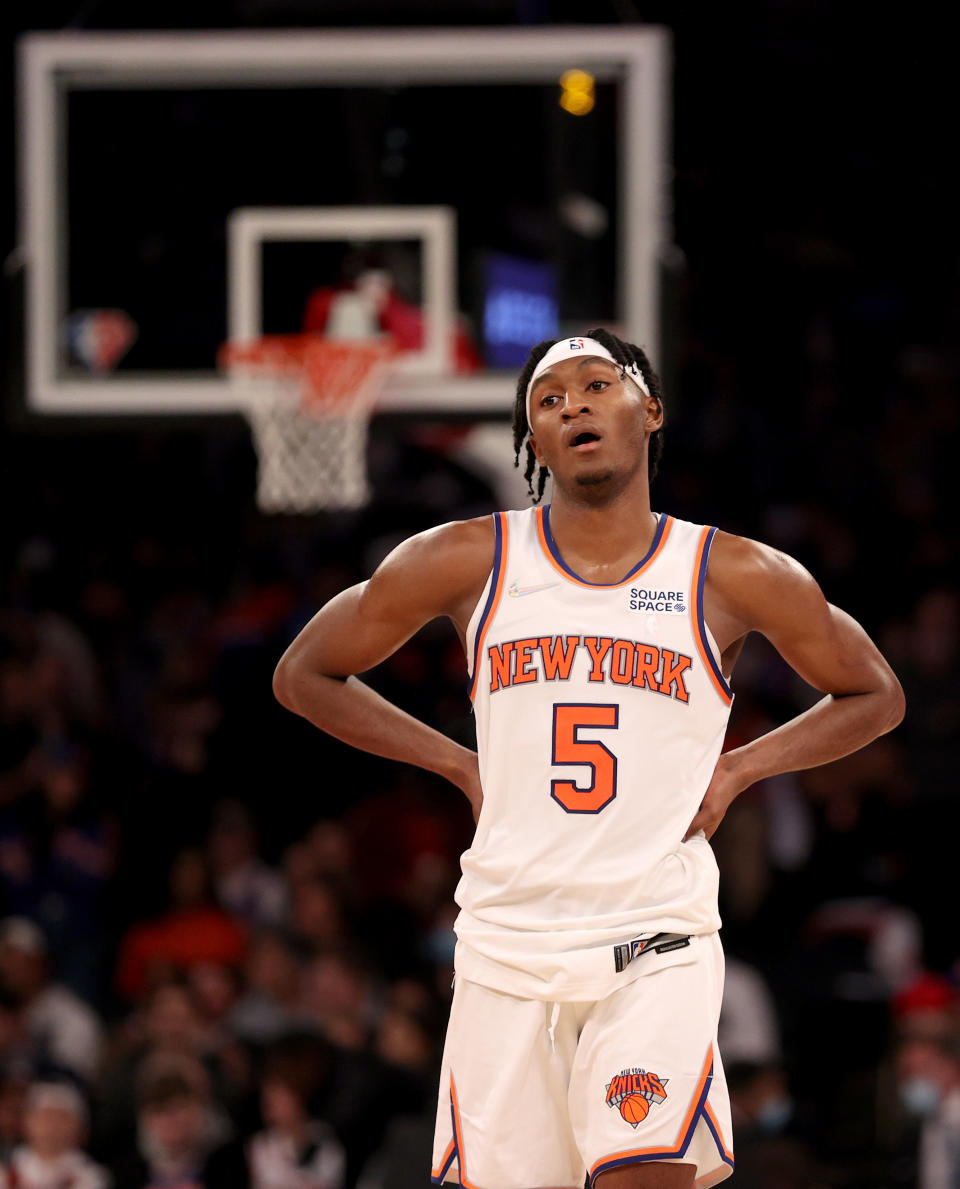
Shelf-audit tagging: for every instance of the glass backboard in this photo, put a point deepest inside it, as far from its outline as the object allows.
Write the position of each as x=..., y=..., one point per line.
x=142, y=154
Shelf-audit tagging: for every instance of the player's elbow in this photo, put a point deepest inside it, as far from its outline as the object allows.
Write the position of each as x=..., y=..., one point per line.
x=887, y=704
x=894, y=702
x=285, y=682
x=299, y=685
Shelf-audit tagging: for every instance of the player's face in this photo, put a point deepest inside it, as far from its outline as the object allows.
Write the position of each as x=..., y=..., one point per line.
x=590, y=425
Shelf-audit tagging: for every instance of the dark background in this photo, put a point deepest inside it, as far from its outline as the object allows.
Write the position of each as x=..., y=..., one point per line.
x=814, y=316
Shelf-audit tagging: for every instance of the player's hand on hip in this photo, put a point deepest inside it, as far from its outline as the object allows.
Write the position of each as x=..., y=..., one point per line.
x=724, y=787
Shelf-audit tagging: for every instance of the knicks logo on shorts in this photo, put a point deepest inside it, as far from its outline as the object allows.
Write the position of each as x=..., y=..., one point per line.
x=633, y=1090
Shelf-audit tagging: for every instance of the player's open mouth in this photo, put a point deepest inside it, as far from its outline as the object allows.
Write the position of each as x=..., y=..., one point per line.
x=585, y=441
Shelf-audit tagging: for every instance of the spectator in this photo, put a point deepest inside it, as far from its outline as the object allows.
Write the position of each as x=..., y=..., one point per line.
x=245, y=886
x=928, y=1076
x=54, y=1125
x=355, y=1092
x=331, y=849
x=928, y=1005
x=295, y=1150
x=170, y=1026
x=406, y=1037
x=325, y=853
x=59, y=1024
x=407, y=1148
x=338, y=998
x=270, y=1005
x=57, y=855
x=193, y=930
x=403, y=1038
x=748, y=1028
x=760, y=1099
x=214, y=987
x=67, y=670
x=182, y=713
x=182, y=1139
x=318, y=917
x=768, y=1155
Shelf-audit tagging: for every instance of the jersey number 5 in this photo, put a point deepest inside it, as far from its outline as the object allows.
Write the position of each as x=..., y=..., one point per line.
x=570, y=749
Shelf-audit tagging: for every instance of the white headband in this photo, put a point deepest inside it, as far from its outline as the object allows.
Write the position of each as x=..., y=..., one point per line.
x=567, y=349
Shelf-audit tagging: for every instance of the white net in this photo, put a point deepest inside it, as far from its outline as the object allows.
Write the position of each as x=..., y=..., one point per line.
x=308, y=400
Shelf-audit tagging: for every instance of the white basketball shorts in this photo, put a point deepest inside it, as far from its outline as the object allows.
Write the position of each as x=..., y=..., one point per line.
x=535, y=1095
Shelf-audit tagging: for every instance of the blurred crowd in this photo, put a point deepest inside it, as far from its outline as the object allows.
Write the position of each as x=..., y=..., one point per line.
x=226, y=940
x=177, y=1007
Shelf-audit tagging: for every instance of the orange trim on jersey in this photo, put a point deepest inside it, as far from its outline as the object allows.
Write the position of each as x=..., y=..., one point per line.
x=696, y=611
x=728, y=1155
x=458, y=1131
x=572, y=577
x=444, y=1160
x=499, y=571
x=692, y=1111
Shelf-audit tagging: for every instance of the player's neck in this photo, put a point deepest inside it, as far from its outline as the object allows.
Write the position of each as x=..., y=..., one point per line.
x=607, y=532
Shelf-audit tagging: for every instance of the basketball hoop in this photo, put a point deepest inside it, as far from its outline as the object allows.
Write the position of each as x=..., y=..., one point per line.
x=308, y=400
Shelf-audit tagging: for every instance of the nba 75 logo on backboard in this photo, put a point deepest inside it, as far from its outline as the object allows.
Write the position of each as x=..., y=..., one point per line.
x=632, y=1091
x=99, y=339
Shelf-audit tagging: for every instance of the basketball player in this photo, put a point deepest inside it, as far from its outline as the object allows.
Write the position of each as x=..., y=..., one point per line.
x=600, y=638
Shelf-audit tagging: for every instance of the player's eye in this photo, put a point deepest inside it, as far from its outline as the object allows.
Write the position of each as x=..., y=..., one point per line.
x=597, y=385
x=548, y=399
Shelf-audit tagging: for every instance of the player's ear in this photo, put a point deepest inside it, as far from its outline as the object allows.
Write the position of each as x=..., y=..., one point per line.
x=536, y=451
x=652, y=414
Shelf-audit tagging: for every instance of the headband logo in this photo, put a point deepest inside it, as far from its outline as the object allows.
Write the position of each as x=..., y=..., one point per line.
x=576, y=344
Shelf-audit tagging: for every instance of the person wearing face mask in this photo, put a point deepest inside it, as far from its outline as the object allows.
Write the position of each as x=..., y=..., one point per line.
x=760, y=1098
x=928, y=1080
x=770, y=1153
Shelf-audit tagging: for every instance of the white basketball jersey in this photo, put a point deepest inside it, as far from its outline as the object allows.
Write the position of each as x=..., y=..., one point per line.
x=601, y=712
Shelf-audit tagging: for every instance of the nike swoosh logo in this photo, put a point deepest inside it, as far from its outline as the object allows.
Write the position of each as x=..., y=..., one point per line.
x=516, y=592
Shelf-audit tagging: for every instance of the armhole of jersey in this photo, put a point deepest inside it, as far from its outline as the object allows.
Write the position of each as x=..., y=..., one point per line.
x=706, y=645
x=493, y=589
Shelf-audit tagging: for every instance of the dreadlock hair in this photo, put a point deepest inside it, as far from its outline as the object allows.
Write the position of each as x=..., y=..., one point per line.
x=627, y=355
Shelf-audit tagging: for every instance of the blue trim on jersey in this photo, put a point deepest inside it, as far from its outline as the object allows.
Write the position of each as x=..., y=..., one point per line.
x=453, y=1114
x=551, y=545
x=494, y=580
x=454, y=1151
x=701, y=622
x=450, y=1159
x=718, y=1139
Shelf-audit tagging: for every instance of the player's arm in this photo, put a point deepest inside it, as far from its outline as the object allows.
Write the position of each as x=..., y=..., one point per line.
x=751, y=587
x=440, y=572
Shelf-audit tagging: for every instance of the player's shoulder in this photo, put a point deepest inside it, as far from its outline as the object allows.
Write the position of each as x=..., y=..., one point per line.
x=457, y=541
x=456, y=557
x=752, y=576
x=739, y=557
